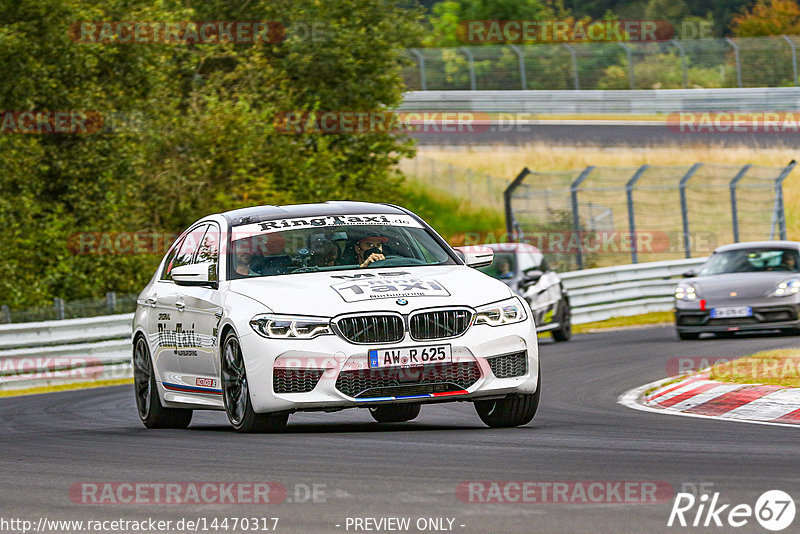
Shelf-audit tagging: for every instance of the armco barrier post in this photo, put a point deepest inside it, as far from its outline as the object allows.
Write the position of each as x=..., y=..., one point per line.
x=576, y=218
x=631, y=76
x=511, y=225
x=684, y=67
x=685, y=210
x=631, y=212
x=5, y=311
x=111, y=302
x=734, y=208
x=471, y=63
x=781, y=215
x=58, y=304
x=737, y=60
x=521, y=58
x=574, y=60
x=794, y=58
x=421, y=60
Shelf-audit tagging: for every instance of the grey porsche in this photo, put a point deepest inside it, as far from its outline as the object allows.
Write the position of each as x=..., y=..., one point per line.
x=742, y=287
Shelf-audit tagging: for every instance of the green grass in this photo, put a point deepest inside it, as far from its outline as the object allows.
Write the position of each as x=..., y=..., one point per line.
x=449, y=216
x=772, y=367
x=622, y=322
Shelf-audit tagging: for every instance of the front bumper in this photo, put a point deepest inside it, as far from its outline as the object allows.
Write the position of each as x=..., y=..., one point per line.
x=765, y=317
x=334, y=373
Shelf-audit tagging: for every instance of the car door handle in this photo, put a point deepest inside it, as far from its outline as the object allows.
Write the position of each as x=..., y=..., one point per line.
x=151, y=301
x=180, y=305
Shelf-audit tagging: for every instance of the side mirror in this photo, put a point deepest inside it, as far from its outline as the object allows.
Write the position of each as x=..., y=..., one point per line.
x=532, y=275
x=691, y=273
x=475, y=255
x=196, y=274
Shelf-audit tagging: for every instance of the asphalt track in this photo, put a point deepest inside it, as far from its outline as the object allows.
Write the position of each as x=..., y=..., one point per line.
x=50, y=442
x=617, y=133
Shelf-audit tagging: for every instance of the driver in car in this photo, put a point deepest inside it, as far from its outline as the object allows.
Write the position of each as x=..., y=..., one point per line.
x=369, y=249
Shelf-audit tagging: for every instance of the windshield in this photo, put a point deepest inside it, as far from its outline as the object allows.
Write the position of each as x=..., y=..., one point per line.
x=331, y=243
x=751, y=260
x=502, y=267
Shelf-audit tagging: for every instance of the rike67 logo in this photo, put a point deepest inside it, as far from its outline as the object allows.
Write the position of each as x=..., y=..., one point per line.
x=774, y=510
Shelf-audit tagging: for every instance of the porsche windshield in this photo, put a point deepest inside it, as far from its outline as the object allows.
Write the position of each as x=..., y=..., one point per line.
x=752, y=260
x=331, y=243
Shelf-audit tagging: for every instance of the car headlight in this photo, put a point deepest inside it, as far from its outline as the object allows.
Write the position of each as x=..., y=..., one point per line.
x=290, y=327
x=686, y=293
x=499, y=313
x=786, y=288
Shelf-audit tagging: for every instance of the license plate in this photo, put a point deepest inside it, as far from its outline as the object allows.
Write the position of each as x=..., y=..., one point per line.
x=410, y=356
x=731, y=311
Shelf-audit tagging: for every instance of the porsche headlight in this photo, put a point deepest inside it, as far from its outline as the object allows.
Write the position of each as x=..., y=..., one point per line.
x=786, y=288
x=290, y=327
x=499, y=313
x=688, y=293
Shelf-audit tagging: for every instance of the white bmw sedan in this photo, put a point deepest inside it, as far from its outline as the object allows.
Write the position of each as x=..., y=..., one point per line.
x=266, y=311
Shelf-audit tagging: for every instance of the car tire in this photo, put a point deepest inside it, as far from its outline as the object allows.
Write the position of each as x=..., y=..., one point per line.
x=689, y=336
x=514, y=410
x=151, y=412
x=236, y=394
x=564, y=330
x=398, y=413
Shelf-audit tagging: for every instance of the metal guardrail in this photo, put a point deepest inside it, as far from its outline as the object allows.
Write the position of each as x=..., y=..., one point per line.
x=46, y=333
x=622, y=291
x=99, y=348
x=576, y=102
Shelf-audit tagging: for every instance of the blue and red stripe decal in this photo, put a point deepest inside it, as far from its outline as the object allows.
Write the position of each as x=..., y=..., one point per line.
x=191, y=389
x=423, y=396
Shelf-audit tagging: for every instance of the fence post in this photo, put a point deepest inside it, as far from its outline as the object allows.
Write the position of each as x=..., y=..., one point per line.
x=6, y=312
x=684, y=67
x=779, y=209
x=576, y=219
x=58, y=304
x=421, y=60
x=738, y=62
x=471, y=62
x=794, y=58
x=684, y=209
x=734, y=207
x=521, y=58
x=631, y=76
x=631, y=217
x=111, y=302
x=574, y=61
x=510, y=222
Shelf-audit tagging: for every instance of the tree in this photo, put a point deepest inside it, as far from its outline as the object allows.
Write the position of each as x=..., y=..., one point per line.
x=768, y=17
x=204, y=138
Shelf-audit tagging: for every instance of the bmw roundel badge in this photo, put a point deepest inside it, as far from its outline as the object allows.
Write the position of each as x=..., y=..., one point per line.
x=402, y=302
